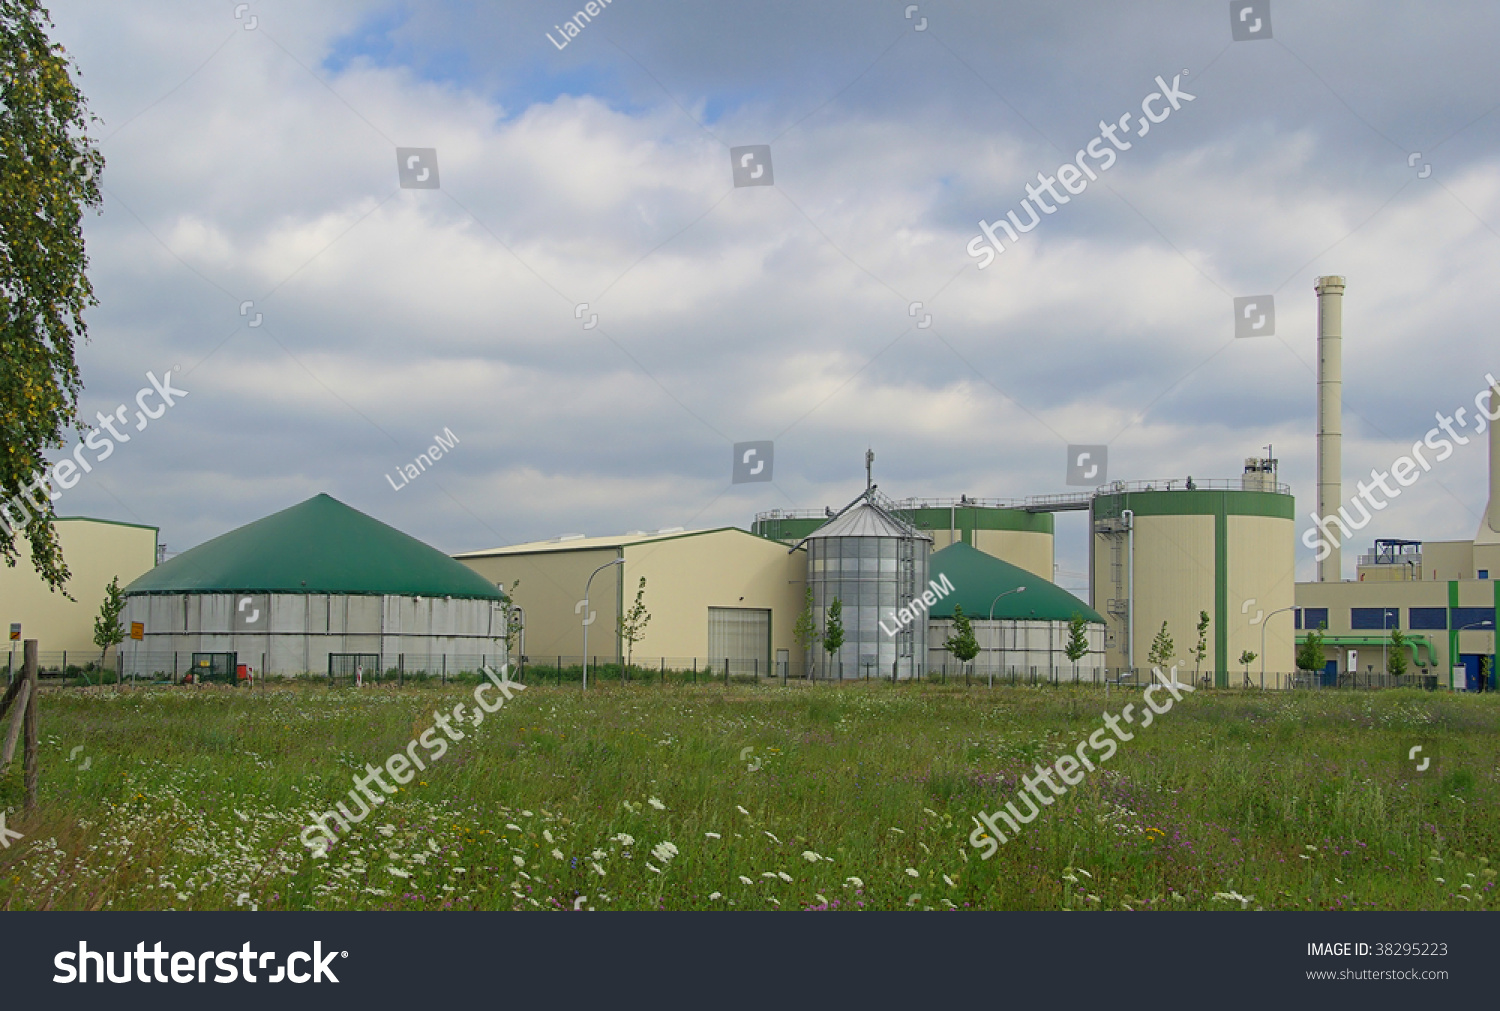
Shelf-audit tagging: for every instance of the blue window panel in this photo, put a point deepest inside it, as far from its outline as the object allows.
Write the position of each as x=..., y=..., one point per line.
x=1427, y=618
x=1472, y=616
x=1314, y=618
x=1374, y=618
x=1297, y=617
x=1484, y=573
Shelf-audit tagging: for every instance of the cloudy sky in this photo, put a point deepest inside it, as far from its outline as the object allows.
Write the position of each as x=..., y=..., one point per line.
x=252, y=158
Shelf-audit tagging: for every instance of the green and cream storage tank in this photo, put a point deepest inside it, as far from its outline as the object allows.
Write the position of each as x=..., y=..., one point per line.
x=1166, y=551
x=1002, y=528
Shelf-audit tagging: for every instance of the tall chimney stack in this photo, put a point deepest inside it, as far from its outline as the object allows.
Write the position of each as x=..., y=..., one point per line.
x=1330, y=412
x=1489, y=527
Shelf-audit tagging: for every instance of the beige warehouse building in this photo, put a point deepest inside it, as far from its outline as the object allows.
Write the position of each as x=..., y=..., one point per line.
x=712, y=594
x=95, y=551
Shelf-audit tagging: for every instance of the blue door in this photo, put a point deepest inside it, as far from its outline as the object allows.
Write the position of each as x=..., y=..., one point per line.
x=1330, y=677
x=1470, y=663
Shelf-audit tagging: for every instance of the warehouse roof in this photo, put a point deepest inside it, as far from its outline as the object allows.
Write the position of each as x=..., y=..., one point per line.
x=318, y=546
x=578, y=542
x=979, y=578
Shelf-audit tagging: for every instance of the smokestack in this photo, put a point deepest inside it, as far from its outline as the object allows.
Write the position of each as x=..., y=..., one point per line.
x=1330, y=411
x=1489, y=527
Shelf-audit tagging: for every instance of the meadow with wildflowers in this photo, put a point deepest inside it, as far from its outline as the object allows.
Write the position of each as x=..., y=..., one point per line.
x=803, y=797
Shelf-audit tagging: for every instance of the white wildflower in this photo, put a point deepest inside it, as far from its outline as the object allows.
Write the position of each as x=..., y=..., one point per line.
x=664, y=851
x=625, y=839
x=557, y=854
x=745, y=881
x=654, y=802
x=911, y=872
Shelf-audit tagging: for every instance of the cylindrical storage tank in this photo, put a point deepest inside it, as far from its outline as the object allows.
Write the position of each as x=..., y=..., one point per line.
x=1005, y=532
x=875, y=566
x=1168, y=554
x=316, y=588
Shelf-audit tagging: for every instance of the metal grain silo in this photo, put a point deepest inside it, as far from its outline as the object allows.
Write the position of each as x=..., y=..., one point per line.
x=875, y=565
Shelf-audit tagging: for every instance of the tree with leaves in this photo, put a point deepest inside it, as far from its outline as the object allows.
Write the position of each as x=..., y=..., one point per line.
x=633, y=623
x=1310, y=654
x=962, y=643
x=805, y=632
x=107, y=628
x=833, y=628
x=1247, y=658
x=1201, y=649
x=512, y=626
x=1078, y=641
x=1396, y=658
x=48, y=174
x=1163, y=649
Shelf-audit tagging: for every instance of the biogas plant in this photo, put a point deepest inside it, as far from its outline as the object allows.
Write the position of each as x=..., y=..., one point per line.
x=321, y=587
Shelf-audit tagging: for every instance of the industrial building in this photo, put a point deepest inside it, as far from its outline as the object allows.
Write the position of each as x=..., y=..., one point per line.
x=1443, y=596
x=319, y=587
x=714, y=595
x=96, y=551
x=322, y=586
x=730, y=597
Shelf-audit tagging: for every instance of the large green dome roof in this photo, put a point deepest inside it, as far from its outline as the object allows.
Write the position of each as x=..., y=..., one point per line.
x=978, y=578
x=318, y=546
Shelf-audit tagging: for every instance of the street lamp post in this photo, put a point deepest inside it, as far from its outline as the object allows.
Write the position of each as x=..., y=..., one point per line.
x=1019, y=589
x=587, y=618
x=1263, y=625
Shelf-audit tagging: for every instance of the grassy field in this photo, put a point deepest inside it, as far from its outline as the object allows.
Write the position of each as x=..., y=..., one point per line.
x=854, y=797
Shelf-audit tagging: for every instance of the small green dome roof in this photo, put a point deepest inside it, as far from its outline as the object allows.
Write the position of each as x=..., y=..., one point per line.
x=318, y=546
x=979, y=578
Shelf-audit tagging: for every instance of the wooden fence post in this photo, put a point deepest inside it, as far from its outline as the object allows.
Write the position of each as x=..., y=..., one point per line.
x=29, y=762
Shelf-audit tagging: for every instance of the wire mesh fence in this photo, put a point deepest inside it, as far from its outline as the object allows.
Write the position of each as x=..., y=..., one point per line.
x=144, y=667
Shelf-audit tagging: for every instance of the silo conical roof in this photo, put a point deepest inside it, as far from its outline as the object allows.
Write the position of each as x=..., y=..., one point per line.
x=866, y=520
x=317, y=546
x=978, y=578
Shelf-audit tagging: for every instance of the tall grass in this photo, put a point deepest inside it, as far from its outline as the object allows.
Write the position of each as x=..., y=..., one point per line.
x=852, y=797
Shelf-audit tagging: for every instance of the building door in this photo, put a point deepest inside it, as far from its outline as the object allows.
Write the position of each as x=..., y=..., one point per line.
x=1470, y=663
x=1330, y=678
x=742, y=636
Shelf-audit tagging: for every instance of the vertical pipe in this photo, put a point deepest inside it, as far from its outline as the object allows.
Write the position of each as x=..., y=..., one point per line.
x=1128, y=515
x=1330, y=291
